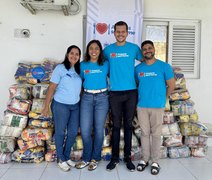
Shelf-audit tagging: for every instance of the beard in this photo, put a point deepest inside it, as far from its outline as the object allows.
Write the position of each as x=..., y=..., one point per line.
x=149, y=57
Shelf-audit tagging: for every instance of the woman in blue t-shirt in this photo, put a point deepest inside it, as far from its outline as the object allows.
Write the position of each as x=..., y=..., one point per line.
x=94, y=104
x=64, y=88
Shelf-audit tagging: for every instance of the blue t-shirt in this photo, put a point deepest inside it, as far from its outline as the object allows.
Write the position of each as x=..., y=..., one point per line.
x=152, y=83
x=68, y=85
x=122, y=60
x=94, y=75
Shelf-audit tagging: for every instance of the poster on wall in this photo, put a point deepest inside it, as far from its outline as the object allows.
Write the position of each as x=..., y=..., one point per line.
x=103, y=14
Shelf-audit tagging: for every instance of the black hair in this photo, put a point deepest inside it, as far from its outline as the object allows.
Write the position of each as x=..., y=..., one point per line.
x=121, y=23
x=100, y=58
x=147, y=42
x=66, y=62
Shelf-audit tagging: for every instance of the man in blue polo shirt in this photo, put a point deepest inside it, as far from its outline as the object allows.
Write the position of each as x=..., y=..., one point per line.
x=123, y=93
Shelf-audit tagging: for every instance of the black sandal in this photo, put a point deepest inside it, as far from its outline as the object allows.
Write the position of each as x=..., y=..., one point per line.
x=142, y=165
x=155, y=168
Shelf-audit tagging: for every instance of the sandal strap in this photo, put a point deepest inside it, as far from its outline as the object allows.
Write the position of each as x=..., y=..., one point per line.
x=155, y=165
x=142, y=162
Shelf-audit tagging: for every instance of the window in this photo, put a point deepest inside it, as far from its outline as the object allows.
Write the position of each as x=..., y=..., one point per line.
x=177, y=42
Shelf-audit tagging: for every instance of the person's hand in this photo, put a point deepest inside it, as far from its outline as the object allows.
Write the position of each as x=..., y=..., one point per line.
x=45, y=112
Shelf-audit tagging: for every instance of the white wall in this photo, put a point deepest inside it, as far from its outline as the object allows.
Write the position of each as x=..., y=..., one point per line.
x=52, y=33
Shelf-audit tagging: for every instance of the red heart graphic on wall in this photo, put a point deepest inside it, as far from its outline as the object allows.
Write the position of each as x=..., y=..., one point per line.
x=101, y=28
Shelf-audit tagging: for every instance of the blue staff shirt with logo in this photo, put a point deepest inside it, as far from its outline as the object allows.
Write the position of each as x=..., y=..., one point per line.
x=68, y=85
x=94, y=75
x=152, y=83
x=122, y=60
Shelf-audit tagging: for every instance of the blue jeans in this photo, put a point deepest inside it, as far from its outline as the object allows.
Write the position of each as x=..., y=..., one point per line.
x=93, y=113
x=66, y=122
x=123, y=106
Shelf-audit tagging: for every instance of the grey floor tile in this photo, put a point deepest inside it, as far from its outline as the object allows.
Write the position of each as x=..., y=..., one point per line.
x=22, y=174
x=173, y=169
x=2, y=172
x=202, y=171
x=52, y=165
x=193, y=160
x=58, y=174
x=5, y=166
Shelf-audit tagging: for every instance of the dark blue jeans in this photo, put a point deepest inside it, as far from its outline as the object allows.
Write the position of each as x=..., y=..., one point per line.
x=123, y=106
x=66, y=122
x=93, y=112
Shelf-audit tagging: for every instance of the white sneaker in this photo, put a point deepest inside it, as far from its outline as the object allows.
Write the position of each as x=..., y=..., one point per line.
x=71, y=163
x=64, y=166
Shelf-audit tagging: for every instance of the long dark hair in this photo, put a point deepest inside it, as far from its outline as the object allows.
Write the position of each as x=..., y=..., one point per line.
x=100, y=58
x=66, y=62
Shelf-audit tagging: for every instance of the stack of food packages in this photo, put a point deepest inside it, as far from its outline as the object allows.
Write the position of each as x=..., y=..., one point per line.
x=183, y=134
x=23, y=120
x=15, y=119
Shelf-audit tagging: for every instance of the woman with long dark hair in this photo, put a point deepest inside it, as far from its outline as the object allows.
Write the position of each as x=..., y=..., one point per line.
x=94, y=104
x=64, y=92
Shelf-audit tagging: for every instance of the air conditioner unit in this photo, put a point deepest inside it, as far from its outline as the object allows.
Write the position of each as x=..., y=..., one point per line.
x=64, y=5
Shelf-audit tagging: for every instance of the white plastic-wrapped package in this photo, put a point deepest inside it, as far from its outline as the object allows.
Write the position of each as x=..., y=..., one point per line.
x=20, y=91
x=106, y=141
x=37, y=123
x=37, y=133
x=179, y=152
x=199, y=151
x=163, y=152
x=30, y=155
x=135, y=142
x=34, y=115
x=19, y=106
x=76, y=155
x=14, y=120
x=180, y=82
x=24, y=145
x=189, y=118
x=50, y=144
x=7, y=144
x=39, y=91
x=182, y=107
x=170, y=129
x=37, y=105
x=50, y=156
x=180, y=94
x=195, y=141
x=10, y=131
x=136, y=153
x=189, y=129
x=174, y=140
x=5, y=158
x=168, y=117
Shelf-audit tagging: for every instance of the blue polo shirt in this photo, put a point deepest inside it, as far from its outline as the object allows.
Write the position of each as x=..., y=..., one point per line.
x=68, y=85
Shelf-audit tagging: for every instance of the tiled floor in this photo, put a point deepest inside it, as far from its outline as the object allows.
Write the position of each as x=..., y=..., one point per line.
x=172, y=169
